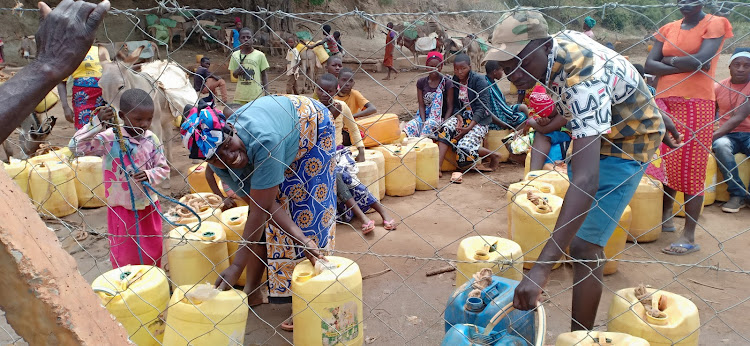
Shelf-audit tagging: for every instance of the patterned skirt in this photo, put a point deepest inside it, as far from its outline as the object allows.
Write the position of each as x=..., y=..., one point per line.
x=466, y=148
x=685, y=167
x=86, y=97
x=307, y=193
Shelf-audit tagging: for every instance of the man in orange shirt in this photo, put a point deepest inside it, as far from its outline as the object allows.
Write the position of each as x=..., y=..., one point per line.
x=733, y=135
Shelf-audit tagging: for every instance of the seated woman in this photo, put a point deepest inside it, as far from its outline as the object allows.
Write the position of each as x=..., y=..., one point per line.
x=435, y=97
x=464, y=132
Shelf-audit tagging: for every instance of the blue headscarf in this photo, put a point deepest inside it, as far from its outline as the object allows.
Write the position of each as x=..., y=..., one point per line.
x=590, y=22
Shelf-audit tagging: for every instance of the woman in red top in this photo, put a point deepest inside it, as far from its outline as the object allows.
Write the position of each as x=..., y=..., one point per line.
x=684, y=57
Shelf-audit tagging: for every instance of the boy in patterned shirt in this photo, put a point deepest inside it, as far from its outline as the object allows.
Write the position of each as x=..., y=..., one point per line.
x=616, y=128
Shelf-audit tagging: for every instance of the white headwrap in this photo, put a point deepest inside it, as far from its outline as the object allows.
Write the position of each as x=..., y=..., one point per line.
x=744, y=54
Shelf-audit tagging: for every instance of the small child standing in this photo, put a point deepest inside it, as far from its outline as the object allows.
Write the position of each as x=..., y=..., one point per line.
x=292, y=67
x=548, y=148
x=123, y=178
x=353, y=197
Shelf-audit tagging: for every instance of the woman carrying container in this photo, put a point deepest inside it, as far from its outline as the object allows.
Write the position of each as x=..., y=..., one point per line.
x=277, y=154
x=684, y=57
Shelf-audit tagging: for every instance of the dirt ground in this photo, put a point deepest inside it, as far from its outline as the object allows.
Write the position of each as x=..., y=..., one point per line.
x=434, y=222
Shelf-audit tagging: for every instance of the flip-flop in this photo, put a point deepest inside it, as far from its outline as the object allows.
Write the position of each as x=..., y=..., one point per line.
x=668, y=229
x=287, y=327
x=390, y=225
x=689, y=248
x=368, y=227
x=457, y=177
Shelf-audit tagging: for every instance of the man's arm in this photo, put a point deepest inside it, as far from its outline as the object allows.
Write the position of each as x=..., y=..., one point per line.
x=64, y=37
x=740, y=114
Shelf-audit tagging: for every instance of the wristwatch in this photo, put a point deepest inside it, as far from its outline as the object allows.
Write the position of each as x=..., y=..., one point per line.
x=671, y=62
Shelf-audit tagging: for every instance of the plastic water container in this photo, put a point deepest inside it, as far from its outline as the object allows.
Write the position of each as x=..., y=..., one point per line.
x=470, y=335
x=206, y=213
x=616, y=242
x=533, y=226
x=646, y=207
x=709, y=196
x=400, y=170
x=201, y=315
x=479, y=311
x=327, y=303
x=377, y=157
x=680, y=327
x=197, y=257
x=18, y=170
x=196, y=178
x=524, y=186
x=527, y=163
x=368, y=176
x=722, y=195
x=449, y=163
x=488, y=252
x=234, y=221
x=89, y=181
x=557, y=179
x=57, y=155
x=428, y=169
x=135, y=295
x=379, y=129
x=52, y=187
x=49, y=101
x=593, y=337
x=494, y=142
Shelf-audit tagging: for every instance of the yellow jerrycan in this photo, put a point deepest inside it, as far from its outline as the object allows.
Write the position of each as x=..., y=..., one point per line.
x=53, y=188
x=722, y=195
x=49, y=101
x=523, y=187
x=449, y=164
x=555, y=178
x=534, y=217
x=428, y=169
x=678, y=322
x=368, y=176
x=400, y=170
x=527, y=164
x=136, y=295
x=196, y=178
x=201, y=315
x=597, y=338
x=89, y=181
x=377, y=157
x=494, y=142
x=234, y=221
x=57, y=154
x=709, y=196
x=327, y=303
x=18, y=170
x=206, y=204
x=488, y=252
x=616, y=242
x=197, y=257
x=646, y=207
x=379, y=129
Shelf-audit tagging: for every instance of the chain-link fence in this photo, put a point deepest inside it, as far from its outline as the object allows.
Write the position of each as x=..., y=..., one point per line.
x=398, y=261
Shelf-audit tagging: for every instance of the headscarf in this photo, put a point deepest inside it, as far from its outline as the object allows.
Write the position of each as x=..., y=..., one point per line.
x=237, y=20
x=591, y=22
x=434, y=55
x=203, y=132
x=740, y=52
x=540, y=103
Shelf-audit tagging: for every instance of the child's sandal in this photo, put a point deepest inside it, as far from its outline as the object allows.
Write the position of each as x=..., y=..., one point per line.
x=368, y=227
x=457, y=178
x=390, y=225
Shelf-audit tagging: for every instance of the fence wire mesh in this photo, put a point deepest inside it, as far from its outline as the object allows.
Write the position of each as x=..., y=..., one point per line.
x=392, y=286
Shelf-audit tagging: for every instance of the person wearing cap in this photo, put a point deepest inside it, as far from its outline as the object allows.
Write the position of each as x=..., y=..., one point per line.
x=435, y=99
x=733, y=134
x=684, y=58
x=616, y=128
x=588, y=25
x=277, y=154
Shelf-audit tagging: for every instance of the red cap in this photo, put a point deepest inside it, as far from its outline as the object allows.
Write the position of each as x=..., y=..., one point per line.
x=540, y=102
x=434, y=55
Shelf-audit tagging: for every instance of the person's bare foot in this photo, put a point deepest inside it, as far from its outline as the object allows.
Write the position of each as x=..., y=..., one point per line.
x=440, y=174
x=387, y=78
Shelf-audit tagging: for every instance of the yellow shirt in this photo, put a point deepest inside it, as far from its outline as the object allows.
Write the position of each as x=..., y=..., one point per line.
x=345, y=119
x=354, y=100
x=90, y=67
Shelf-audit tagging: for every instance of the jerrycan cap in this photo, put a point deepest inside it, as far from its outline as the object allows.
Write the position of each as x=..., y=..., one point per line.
x=235, y=220
x=481, y=255
x=474, y=304
x=208, y=235
x=199, y=168
x=544, y=189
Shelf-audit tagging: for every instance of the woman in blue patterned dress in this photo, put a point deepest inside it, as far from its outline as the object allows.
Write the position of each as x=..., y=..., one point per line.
x=277, y=154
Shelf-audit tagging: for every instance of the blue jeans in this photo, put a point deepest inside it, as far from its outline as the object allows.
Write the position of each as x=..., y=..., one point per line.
x=725, y=148
x=618, y=180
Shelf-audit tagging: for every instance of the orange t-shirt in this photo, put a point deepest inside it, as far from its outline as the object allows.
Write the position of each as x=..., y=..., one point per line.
x=728, y=97
x=354, y=100
x=678, y=42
